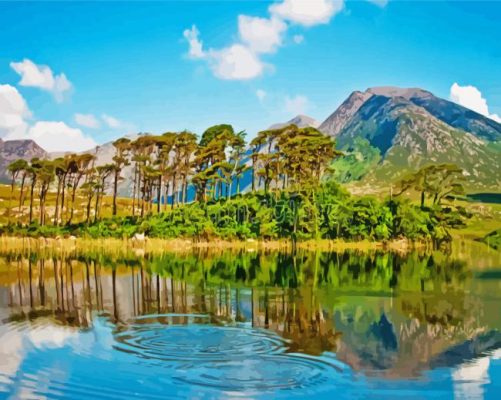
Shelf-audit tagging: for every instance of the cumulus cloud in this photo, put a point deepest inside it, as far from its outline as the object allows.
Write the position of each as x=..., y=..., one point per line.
x=235, y=62
x=13, y=112
x=57, y=136
x=261, y=35
x=260, y=94
x=296, y=105
x=42, y=77
x=241, y=60
x=51, y=135
x=470, y=97
x=87, y=120
x=307, y=12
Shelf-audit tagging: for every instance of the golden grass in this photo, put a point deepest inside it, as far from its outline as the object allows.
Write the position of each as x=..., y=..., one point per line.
x=154, y=246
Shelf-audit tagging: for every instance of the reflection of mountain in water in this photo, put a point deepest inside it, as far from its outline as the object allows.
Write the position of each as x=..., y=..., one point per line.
x=317, y=302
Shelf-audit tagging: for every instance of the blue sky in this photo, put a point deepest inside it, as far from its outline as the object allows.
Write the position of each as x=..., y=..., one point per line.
x=115, y=68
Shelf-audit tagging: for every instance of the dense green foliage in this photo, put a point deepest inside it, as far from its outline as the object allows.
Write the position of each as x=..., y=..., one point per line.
x=328, y=212
x=293, y=195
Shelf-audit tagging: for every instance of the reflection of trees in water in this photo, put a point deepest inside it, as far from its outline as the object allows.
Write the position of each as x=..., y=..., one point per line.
x=298, y=295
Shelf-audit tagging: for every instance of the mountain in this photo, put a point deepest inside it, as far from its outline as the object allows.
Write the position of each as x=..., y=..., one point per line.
x=104, y=155
x=12, y=150
x=301, y=121
x=389, y=131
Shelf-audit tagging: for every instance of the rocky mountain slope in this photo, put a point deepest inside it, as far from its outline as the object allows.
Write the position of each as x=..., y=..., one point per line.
x=387, y=132
x=12, y=150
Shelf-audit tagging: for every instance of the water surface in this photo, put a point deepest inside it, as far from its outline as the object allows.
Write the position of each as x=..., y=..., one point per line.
x=251, y=325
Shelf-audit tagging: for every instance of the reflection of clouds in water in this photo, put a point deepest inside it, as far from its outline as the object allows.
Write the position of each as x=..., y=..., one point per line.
x=16, y=344
x=50, y=336
x=470, y=378
x=18, y=341
x=11, y=353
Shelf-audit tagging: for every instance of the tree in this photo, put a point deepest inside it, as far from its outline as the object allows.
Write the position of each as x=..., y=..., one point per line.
x=185, y=146
x=142, y=148
x=15, y=168
x=79, y=168
x=435, y=180
x=45, y=176
x=34, y=167
x=103, y=172
x=62, y=167
x=120, y=160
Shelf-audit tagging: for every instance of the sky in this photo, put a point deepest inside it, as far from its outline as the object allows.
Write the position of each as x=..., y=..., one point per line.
x=73, y=75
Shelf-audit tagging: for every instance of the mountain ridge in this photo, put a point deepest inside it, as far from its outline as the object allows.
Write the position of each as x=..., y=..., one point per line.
x=404, y=129
x=385, y=131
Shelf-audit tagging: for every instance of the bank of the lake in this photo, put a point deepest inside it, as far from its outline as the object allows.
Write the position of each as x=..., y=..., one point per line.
x=146, y=245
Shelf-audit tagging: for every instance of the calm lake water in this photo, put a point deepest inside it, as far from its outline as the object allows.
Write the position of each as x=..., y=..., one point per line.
x=251, y=325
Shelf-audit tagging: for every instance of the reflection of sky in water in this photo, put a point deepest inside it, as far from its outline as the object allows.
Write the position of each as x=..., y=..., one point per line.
x=64, y=362
x=131, y=334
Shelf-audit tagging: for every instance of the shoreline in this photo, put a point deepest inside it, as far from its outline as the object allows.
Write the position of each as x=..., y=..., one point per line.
x=154, y=245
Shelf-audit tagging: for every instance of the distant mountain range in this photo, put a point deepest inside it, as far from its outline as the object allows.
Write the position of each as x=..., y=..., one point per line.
x=385, y=132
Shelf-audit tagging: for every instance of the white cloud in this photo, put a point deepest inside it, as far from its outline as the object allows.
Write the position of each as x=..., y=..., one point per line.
x=296, y=105
x=470, y=97
x=307, y=12
x=195, y=45
x=261, y=35
x=41, y=76
x=13, y=112
x=87, y=120
x=51, y=135
x=236, y=62
x=112, y=122
x=261, y=94
x=241, y=60
x=380, y=3
x=56, y=136
x=298, y=39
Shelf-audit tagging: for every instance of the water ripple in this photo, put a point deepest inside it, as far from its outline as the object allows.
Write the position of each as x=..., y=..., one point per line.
x=262, y=373
x=196, y=342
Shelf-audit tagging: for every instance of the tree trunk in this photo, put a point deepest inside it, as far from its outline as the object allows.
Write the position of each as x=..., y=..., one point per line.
x=62, y=198
x=33, y=182
x=134, y=189
x=11, y=195
x=166, y=198
x=159, y=194
x=96, y=205
x=72, y=209
x=422, y=199
x=89, y=201
x=21, y=194
x=57, y=202
x=115, y=189
x=183, y=190
x=173, y=192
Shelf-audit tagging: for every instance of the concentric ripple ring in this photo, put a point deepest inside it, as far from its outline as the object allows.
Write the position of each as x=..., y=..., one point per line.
x=196, y=342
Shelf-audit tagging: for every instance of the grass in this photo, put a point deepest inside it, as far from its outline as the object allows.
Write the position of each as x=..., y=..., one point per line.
x=124, y=206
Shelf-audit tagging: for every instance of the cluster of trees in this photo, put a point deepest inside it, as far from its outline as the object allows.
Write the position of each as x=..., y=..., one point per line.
x=434, y=182
x=165, y=166
x=292, y=191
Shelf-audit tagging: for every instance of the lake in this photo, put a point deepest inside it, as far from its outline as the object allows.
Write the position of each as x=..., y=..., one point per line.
x=251, y=324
